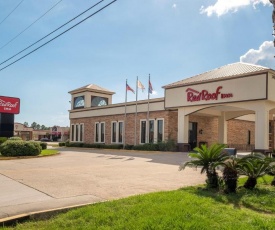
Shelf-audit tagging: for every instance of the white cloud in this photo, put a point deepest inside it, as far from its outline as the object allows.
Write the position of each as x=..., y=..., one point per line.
x=262, y=56
x=222, y=7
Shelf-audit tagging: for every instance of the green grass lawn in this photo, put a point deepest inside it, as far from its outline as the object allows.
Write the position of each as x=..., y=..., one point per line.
x=186, y=208
x=44, y=152
x=48, y=152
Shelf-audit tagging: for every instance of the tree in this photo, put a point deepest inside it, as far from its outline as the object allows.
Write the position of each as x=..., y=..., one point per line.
x=205, y=157
x=33, y=125
x=230, y=173
x=26, y=124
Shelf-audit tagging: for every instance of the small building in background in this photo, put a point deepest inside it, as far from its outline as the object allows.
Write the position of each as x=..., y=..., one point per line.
x=56, y=133
x=20, y=130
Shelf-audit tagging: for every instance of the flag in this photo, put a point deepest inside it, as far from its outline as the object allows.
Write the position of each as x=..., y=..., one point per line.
x=139, y=84
x=150, y=87
x=129, y=88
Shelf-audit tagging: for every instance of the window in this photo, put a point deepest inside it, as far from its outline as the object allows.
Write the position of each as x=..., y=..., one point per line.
x=117, y=131
x=77, y=131
x=160, y=130
x=156, y=130
x=100, y=132
x=81, y=132
x=79, y=102
x=96, y=132
x=72, y=134
x=120, y=132
x=249, y=137
x=143, y=132
x=99, y=101
x=151, y=131
x=114, y=132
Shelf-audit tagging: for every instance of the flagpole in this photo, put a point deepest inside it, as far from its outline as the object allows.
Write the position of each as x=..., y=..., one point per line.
x=124, y=129
x=136, y=112
x=148, y=126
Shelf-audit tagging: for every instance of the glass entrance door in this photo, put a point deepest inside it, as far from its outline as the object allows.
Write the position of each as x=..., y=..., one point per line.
x=193, y=134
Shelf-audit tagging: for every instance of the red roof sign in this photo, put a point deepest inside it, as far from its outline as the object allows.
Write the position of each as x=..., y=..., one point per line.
x=9, y=105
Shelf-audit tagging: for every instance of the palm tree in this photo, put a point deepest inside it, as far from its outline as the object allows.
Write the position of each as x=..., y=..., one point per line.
x=230, y=173
x=255, y=166
x=205, y=157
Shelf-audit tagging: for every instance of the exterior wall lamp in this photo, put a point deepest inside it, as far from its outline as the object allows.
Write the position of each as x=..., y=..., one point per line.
x=200, y=131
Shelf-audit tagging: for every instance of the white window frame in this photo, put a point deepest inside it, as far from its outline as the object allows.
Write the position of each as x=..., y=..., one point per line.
x=155, y=130
x=99, y=132
x=73, y=132
x=117, y=132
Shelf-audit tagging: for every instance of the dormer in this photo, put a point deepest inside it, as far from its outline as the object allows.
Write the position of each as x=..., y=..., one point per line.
x=90, y=96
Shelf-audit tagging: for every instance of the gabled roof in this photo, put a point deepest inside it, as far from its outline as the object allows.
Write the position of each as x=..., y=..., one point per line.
x=227, y=71
x=91, y=88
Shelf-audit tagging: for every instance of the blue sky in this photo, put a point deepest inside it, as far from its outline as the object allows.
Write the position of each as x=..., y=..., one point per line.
x=168, y=39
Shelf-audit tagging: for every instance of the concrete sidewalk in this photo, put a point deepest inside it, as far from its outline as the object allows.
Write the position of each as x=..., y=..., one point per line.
x=87, y=176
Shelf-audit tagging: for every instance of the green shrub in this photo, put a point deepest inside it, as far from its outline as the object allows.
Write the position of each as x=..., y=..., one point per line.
x=43, y=145
x=60, y=144
x=15, y=139
x=169, y=145
x=3, y=139
x=95, y=145
x=146, y=147
x=129, y=147
x=20, y=148
x=114, y=146
x=72, y=144
x=67, y=143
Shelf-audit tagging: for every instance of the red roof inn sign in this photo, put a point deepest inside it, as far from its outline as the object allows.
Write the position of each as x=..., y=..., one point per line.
x=205, y=95
x=9, y=105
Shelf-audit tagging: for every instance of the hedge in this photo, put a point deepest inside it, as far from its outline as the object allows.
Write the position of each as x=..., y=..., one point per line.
x=20, y=148
x=3, y=139
x=161, y=146
x=43, y=145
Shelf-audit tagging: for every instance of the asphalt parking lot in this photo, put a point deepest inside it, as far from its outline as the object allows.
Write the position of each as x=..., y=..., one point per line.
x=82, y=176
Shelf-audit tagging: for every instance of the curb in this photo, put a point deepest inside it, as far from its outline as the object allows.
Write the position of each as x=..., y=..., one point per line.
x=40, y=215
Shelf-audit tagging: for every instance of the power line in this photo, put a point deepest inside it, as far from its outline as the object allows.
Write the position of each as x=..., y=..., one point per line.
x=58, y=35
x=11, y=12
x=51, y=32
x=30, y=25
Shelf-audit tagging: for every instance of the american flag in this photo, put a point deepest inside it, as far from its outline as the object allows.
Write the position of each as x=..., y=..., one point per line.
x=129, y=88
x=150, y=87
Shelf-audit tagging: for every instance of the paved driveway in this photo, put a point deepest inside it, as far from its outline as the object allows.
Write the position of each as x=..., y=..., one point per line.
x=87, y=176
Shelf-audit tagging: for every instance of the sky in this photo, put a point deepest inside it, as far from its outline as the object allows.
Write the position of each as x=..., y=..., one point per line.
x=168, y=39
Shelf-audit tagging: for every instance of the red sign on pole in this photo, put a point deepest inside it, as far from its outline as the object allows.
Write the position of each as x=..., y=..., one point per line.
x=9, y=105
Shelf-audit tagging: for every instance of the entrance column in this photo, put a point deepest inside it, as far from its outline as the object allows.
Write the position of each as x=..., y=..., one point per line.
x=262, y=128
x=183, y=131
x=222, y=129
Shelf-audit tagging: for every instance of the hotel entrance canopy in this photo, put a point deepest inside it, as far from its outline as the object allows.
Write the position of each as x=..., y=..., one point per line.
x=227, y=92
